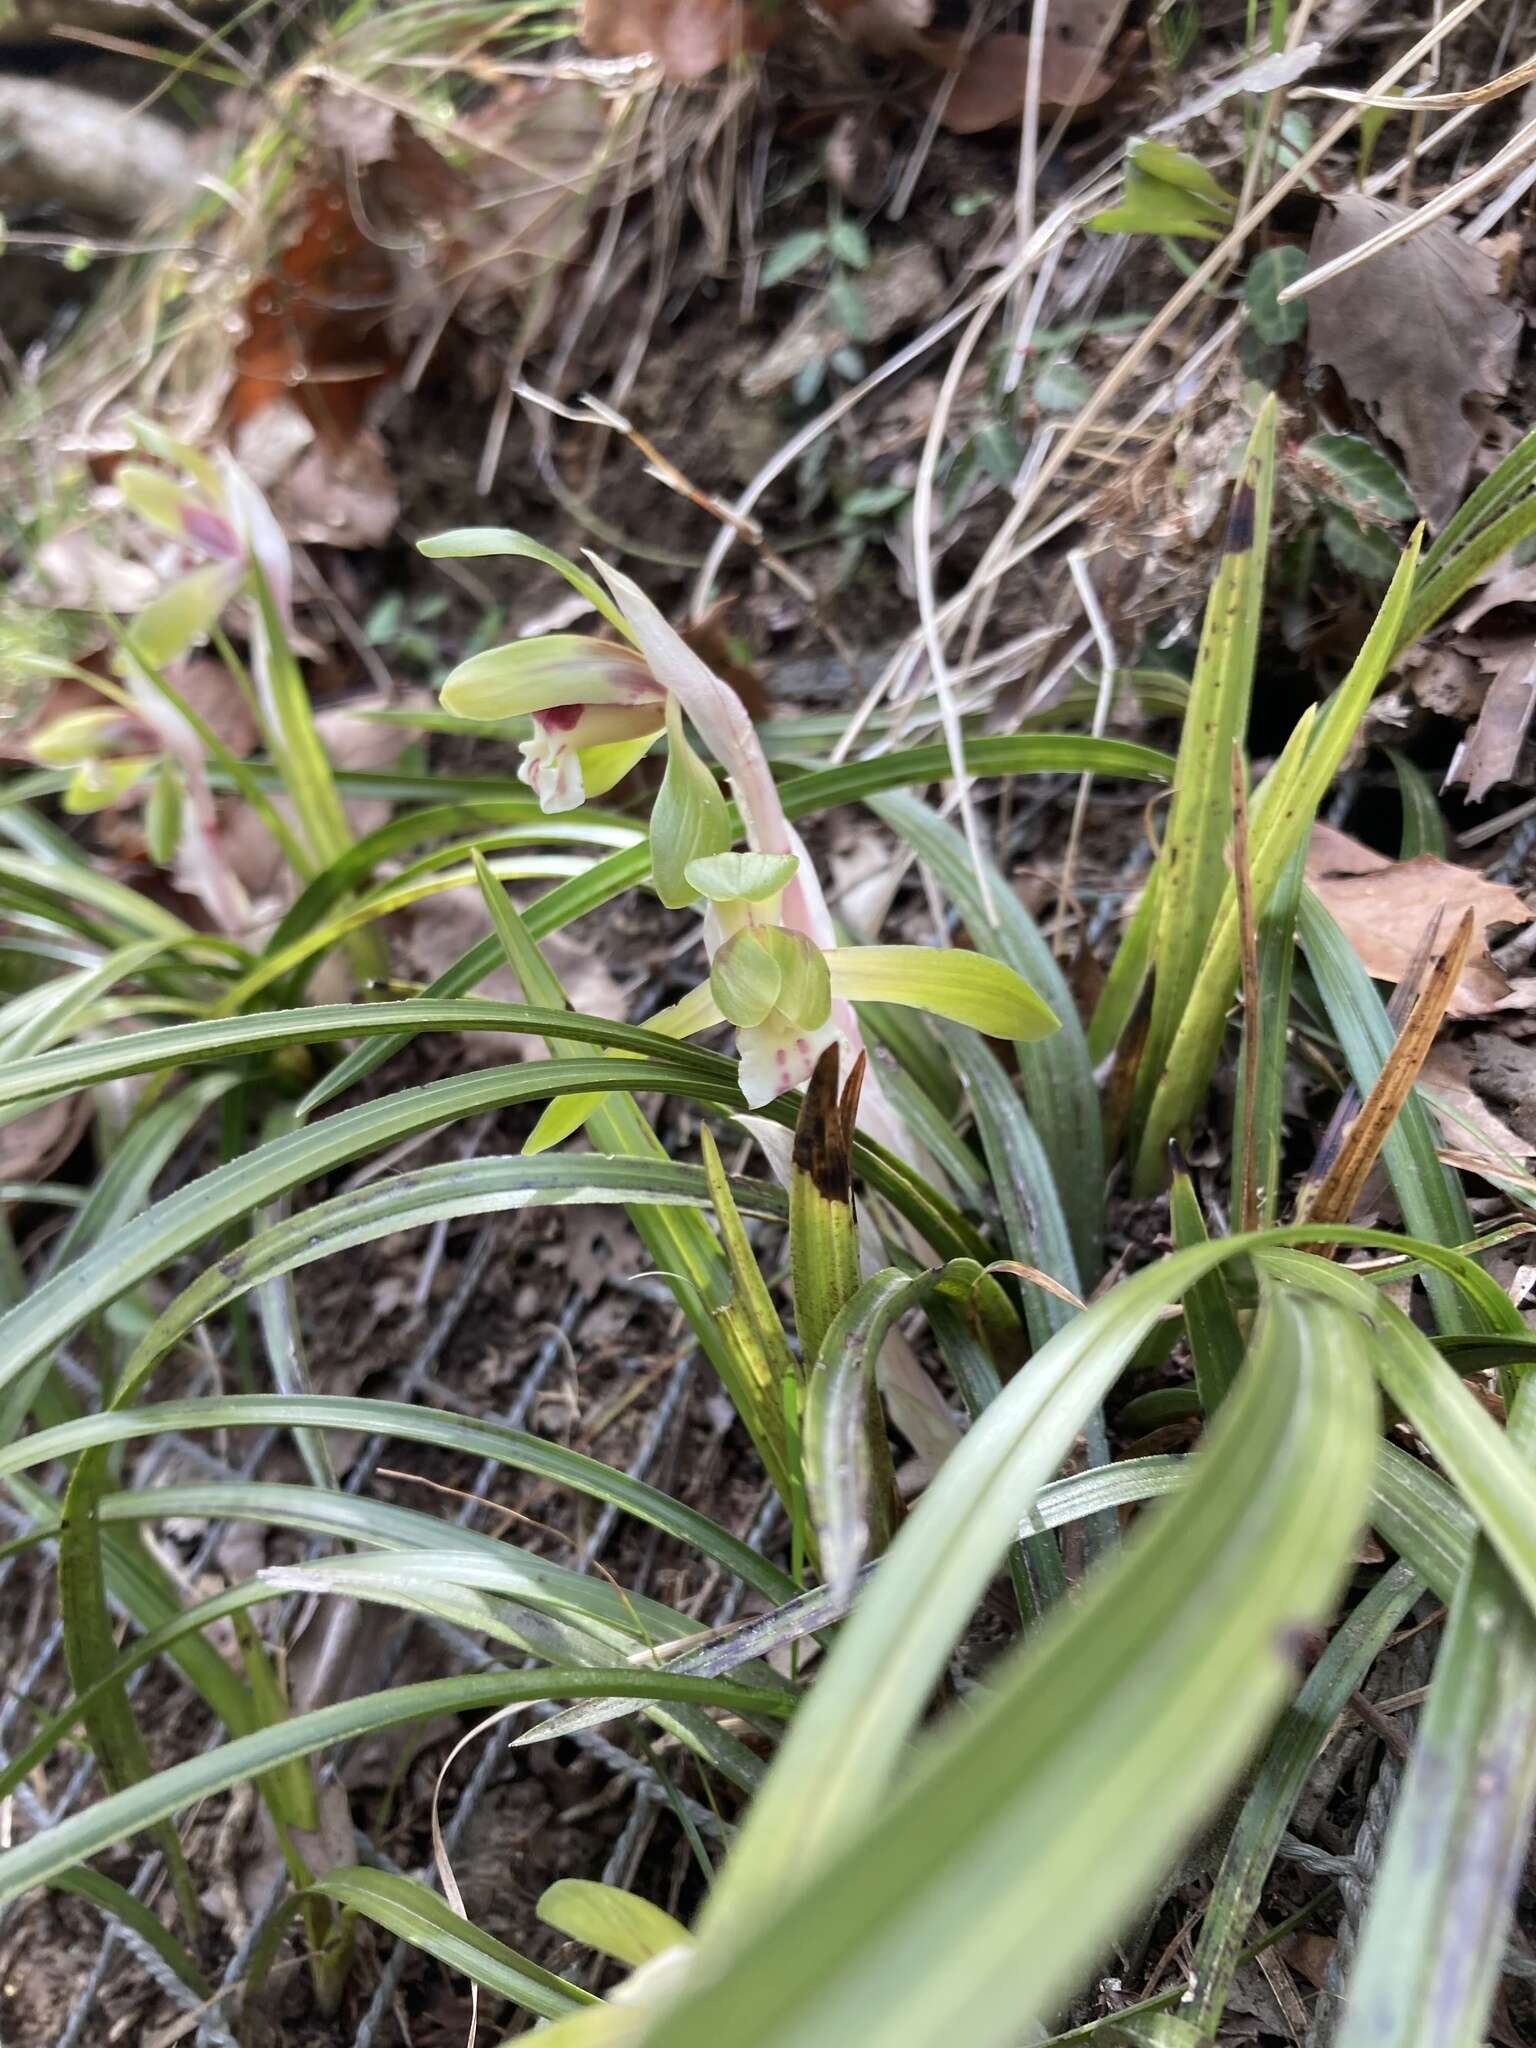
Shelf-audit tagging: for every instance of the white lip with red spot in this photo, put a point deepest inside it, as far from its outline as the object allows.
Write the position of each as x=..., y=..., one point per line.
x=776, y=1055
x=552, y=758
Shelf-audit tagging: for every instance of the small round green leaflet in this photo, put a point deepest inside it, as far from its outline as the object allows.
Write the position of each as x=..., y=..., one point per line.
x=764, y=969
x=742, y=877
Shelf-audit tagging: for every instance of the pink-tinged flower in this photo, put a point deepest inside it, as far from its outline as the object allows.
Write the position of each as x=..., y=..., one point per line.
x=220, y=514
x=596, y=708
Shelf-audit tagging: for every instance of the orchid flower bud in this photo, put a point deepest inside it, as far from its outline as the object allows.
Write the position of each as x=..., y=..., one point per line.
x=595, y=707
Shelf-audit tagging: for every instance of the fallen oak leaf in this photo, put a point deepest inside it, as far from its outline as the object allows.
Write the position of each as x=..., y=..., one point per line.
x=35, y=1143
x=687, y=39
x=1381, y=904
x=1417, y=335
x=992, y=81
x=1468, y=1125
x=1491, y=751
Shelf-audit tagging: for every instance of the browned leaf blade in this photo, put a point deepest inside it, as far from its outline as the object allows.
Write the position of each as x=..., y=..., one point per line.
x=823, y=1235
x=1337, y=1194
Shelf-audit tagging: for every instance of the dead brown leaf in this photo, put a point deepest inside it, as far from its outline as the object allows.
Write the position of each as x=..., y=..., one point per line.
x=335, y=494
x=687, y=38
x=1382, y=906
x=1509, y=586
x=992, y=84
x=1444, y=680
x=1334, y=1197
x=1491, y=751
x=1310, y=1955
x=1419, y=337
x=1446, y=1074
x=32, y=1146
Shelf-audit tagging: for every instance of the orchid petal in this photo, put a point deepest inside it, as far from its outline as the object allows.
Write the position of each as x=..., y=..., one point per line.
x=547, y=674
x=181, y=616
x=716, y=712
x=578, y=751
x=970, y=988
x=746, y=978
x=106, y=780
x=603, y=767
x=688, y=821
x=158, y=499
x=177, y=454
x=805, y=984
x=475, y=542
x=775, y=1056
x=263, y=539
x=77, y=736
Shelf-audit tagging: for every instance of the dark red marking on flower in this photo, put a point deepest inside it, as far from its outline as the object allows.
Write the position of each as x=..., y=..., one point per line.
x=559, y=717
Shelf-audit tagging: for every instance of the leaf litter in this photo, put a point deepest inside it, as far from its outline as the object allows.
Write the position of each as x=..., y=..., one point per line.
x=1382, y=904
x=1419, y=337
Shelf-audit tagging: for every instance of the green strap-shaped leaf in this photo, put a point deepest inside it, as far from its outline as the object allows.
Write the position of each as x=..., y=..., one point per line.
x=1215, y=1341
x=406, y=1908
x=969, y=988
x=111, y=1820
x=926, y=1925
x=1433, y=1941
x=1304, y=1729
x=1199, y=828
x=1057, y=1074
x=1283, y=811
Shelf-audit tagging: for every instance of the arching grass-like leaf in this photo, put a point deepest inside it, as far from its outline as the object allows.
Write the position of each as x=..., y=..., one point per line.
x=1056, y=1072
x=1433, y=1939
x=87, y=1832
x=475, y=1437
x=924, y=1924
x=850, y=782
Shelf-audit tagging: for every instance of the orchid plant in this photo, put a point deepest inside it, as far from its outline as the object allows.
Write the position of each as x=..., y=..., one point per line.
x=776, y=969
x=142, y=739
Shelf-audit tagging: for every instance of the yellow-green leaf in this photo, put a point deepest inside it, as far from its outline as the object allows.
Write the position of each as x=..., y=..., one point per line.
x=690, y=819
x=611, y=1920
x=970, y=988
x=545, y=674
x=742, y=877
